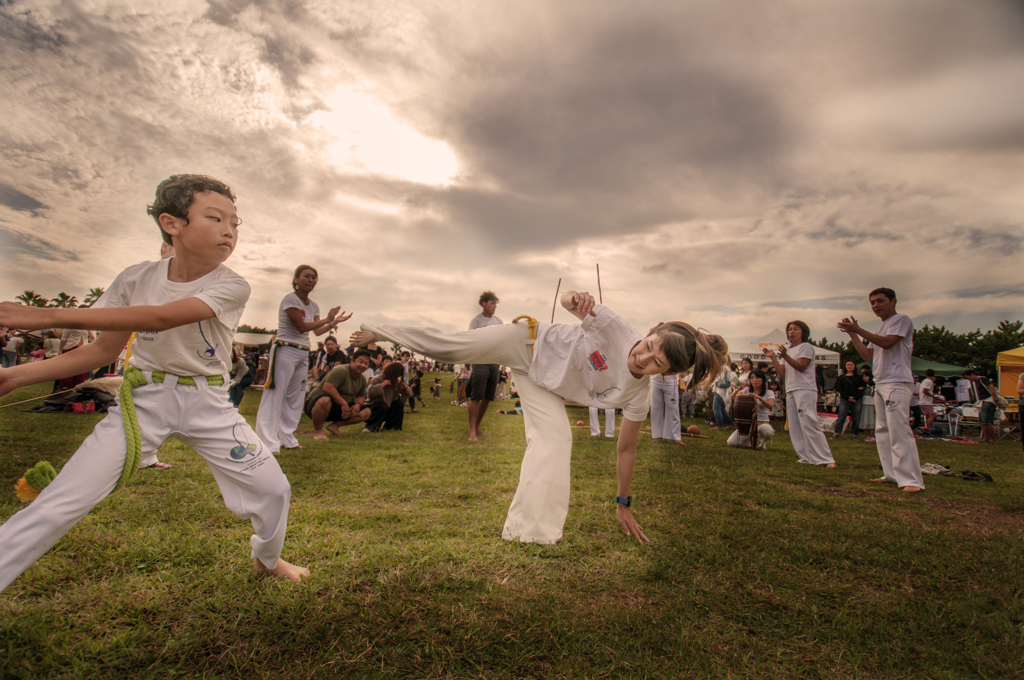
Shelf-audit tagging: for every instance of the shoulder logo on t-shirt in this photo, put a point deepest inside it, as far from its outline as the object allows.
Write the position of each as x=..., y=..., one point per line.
x=598, y=361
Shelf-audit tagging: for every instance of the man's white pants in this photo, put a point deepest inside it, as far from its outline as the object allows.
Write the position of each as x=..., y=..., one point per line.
x=281, y=407
x=539, y=508
x=250, y=480
x=665, y=422
x=595, y=422
x=897, y=449
x=808, y=439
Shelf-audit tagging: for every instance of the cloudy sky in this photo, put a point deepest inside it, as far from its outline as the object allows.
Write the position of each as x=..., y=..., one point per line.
x=731, y=164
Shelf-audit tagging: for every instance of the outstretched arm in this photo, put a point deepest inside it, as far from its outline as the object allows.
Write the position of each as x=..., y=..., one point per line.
x=317, y=325
x=100, y=353
x=625, y=462
x=137, y=318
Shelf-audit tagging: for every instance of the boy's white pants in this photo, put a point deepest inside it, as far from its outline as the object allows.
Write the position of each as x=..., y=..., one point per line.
x=281, y=408
x=808, y=439
x=539, y=508
x=595, y=422
x=665, y=421
x=250, y=480
x=897, y=448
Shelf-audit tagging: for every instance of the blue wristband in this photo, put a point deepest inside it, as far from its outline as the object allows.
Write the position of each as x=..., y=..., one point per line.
x=624, y=501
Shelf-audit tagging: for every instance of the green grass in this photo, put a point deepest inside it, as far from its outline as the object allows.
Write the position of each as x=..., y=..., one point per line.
x=758, y=566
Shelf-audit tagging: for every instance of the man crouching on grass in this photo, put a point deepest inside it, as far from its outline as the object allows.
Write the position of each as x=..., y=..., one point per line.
x=184, y=310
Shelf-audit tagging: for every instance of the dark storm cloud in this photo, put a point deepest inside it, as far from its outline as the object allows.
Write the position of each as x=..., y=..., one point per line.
x=13, y=198
x=22, y=27
x=987, y=291
x=32, y=247
x=1002, y=240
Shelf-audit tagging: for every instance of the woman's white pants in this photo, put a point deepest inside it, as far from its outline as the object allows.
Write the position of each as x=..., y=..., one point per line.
x=281, y=407
x=541, y=502
x=764, y=432
x=595, y=422
x=250, y=480
x=665, y=422
x=808, y=439
x=897, y=448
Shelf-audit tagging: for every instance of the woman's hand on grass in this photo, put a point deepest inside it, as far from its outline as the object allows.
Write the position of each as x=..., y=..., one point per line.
x=629, y=524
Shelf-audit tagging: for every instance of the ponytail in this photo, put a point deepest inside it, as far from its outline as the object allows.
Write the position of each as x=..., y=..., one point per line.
x=688, y=349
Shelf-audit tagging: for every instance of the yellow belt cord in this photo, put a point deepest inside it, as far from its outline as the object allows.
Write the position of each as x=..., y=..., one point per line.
x=269, y=384
x=532, y=323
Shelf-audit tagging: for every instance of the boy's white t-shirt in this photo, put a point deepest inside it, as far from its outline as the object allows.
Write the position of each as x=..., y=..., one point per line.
x=286, y=330
x=927, y=384
x=586, y=363
x=762, y=411
x=801, y=380
x=201, y=348
x=893, y=365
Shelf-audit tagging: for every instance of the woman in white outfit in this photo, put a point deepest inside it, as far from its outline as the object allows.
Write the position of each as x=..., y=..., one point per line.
x=802, y=395
x=602, y=362
x=757, y=385
x=609, y=422
x=283, y=396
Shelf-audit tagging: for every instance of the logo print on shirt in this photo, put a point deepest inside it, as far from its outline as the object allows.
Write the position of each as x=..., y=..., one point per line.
x=211, y=350
x=598, y=361
x=244, y=448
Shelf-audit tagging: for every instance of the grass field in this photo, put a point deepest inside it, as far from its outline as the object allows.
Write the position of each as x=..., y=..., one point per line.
x=757, y=566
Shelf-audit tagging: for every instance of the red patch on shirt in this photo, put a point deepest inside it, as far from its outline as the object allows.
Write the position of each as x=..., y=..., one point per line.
x=597, y=361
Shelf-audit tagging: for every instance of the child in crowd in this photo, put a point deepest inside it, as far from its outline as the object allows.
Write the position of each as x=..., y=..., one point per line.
x=185, y=310
x=602, y=362
x=435, y=391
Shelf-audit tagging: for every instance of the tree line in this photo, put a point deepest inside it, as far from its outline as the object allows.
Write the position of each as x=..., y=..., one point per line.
x=973, y=349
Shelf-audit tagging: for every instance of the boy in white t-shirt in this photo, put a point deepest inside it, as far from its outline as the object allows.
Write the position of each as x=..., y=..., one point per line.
x=890, y=352
x=184, y=311
x=601, y=362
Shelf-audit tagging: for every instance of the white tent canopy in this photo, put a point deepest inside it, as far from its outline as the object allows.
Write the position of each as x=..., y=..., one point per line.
x=249, y=339
x=776, y=338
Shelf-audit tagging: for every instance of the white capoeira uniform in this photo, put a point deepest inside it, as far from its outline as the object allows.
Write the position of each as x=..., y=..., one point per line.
x=802, y=410
x=764, y=428
x=595, y=422
x=665, y=421
x=894, y=385
x=585, y=363
x=281, y=406
x=200, y=416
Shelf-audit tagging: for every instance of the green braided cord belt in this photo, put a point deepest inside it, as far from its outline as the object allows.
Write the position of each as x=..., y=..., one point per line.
x=133, y=377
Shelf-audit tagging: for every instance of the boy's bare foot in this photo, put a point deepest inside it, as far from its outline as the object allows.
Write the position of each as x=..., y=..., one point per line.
x=482, y=433
x=472, y=437
x=333, y=429
x=912, y=489
x=319, y=436
x=284, y=569
x=830, y=466
x=678, y=443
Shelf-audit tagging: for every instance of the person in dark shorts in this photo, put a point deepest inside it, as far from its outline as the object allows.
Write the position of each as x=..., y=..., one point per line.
x=483, y=382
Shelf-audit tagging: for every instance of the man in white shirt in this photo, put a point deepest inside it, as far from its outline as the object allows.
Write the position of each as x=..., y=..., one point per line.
x=889, y=352
x=483, y=382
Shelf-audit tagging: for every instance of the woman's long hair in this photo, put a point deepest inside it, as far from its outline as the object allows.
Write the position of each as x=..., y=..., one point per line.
x=690, y=349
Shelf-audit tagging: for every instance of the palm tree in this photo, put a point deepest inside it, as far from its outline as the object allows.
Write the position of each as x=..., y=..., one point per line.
x=30, y=298
x=94, y=295
x=64, y=300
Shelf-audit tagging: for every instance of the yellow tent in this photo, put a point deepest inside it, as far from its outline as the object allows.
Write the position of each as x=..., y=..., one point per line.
x=1010, y=363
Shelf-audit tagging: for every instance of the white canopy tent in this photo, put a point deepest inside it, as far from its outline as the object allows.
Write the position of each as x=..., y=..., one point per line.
x=251, y=339
x=823, y=357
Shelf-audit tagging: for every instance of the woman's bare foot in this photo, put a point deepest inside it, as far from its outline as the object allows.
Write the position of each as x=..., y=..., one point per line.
x=283, y=569
x=678, y=443
x=293, y=448
x=880, y=480
x=830, y=466
x=911, y=489
x=320, y=436
x=657, y=439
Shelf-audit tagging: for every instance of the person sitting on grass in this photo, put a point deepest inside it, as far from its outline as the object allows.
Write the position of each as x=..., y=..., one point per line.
x=386, y=410
x=185, y=310
x=757, y=383
x=338, y=399
x=602, y=362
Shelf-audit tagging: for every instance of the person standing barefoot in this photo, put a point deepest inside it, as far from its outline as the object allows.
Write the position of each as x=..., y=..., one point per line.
x=889, y=351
